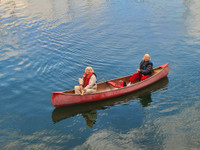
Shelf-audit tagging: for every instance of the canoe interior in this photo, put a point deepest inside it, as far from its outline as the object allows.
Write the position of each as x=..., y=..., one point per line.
x=104, y=86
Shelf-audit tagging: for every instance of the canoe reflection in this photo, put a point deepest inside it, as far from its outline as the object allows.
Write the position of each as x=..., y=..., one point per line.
x=89, y=110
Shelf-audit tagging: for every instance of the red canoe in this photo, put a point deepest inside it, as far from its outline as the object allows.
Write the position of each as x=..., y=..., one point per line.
x=105, y=90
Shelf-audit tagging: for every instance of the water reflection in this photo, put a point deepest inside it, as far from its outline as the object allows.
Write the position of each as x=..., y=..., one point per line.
x=192, y=20
x=90, y=117
x=145, y=99
x=89, y=110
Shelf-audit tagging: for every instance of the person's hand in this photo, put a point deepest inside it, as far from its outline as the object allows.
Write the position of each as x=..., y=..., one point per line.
x=138, y=70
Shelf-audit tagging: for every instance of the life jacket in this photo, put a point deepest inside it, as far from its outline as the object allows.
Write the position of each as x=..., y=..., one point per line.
x=119, y=84
x=86, y=78
x=137, y=76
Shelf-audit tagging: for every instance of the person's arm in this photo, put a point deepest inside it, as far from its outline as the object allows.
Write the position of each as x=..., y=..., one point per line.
x=138, y=69
x=92, y=82
x=147, y=71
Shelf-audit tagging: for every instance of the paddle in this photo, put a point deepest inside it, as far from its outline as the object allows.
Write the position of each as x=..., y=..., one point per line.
x=81, y=90
x=81, y=85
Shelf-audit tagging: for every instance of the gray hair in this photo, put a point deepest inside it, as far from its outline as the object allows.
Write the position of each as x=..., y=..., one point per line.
x=147, y=55
x=89, y=68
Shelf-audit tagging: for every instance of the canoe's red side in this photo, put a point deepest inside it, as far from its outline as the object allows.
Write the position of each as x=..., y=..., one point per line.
x=61, y=99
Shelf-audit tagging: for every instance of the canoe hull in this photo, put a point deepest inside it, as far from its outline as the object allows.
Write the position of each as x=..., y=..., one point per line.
x=62, y=99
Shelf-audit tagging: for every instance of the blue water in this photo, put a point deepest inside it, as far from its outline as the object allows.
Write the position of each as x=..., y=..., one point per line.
x=46, y=45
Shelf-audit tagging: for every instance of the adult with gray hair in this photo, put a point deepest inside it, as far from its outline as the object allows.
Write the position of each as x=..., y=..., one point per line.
x=146, y=66
x=88, y=84
x=145, y=70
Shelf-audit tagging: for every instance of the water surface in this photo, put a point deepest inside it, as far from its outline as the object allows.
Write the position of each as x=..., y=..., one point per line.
x=46, y=45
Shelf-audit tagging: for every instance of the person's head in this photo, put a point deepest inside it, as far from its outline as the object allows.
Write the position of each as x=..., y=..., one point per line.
x=146, y=57
x=88, y=70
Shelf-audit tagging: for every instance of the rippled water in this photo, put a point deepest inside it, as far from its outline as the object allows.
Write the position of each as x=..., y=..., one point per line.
x=46, y=45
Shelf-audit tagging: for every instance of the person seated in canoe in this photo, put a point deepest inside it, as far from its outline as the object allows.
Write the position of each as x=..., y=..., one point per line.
x=88, y=84
x=145, y=70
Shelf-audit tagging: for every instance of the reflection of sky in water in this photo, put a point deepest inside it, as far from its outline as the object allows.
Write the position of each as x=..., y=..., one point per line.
x=44, y=139
x=170, y=131
x=192, y=20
